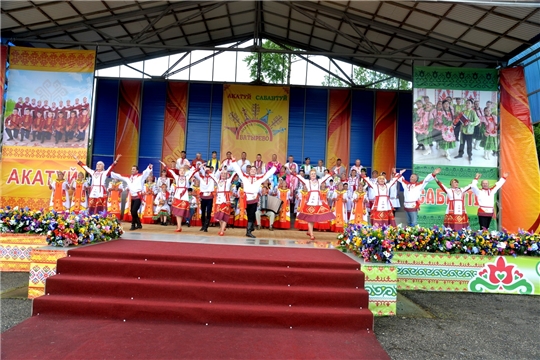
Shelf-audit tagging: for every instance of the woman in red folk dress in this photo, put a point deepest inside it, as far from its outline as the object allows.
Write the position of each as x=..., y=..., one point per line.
x=456, y=217
x=314, y=209
x=180, y=205
x=323, y=225
x=222, y=209
x=382, y=210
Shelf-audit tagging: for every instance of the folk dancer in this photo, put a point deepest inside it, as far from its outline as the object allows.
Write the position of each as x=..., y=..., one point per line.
x=98, y=195
x=136, y=187
x=114, y=200
x=314, y=209
x=79, y=201
x=207, y=184
x=222, y=211
x=420, y=124
x=412, y=191
x=162, y=210
x=60, y=193
x=180, y=204
x=469, y=121
x=489, y=132
x=359, y=213
x=478, y=134
x=339, y=207
x=251, y=184
x=325, y=194
x=448, y=140
x=381, y=210
x=456, y=217
x=150, y=191
x=485, y=196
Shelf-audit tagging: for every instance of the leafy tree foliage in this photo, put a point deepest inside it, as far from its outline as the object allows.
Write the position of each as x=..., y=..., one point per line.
x=373, y=80
x=275, y=67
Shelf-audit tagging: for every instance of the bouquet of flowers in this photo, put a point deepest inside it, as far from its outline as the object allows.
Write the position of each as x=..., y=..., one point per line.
x=61, y=229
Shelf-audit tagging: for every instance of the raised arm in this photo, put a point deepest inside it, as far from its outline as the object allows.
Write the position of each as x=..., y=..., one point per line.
x=368, y=181
x=267, y=175
x=119, y=177
x=109, y=169
x=501, y=182
x=396, y=177
x=441, y=185
x=474, y=184
x=147, y=172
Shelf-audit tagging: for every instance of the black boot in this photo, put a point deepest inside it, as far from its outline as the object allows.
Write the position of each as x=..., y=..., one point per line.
x=203, y=226
x=249, y=230
x=206, y=224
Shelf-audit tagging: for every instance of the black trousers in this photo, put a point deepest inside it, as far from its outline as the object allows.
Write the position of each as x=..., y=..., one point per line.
x=25, y=133
x=457, y=130
x=465, y=139
x=206, y=209
x=135, y=206
x=251, y=209
x=484, y=222
x=12, y=133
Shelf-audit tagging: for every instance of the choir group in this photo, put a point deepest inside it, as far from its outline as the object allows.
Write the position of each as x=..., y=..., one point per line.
x=44, y=122
x=238, y=193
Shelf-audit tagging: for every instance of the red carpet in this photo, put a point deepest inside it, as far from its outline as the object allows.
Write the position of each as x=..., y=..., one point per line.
x=148, y=299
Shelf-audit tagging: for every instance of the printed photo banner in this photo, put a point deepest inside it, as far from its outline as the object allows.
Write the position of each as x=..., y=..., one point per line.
x=521, y=207
x=456, y=128
x=255, y=120
x=174, y=129
x=339, y=127
x=47, y=121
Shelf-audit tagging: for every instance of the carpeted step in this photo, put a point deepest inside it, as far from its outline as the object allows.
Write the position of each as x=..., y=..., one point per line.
x=198, y=291
x=238, y=274
x=302, y=317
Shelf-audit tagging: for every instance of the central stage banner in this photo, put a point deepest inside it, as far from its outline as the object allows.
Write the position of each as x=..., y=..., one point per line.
x=255, y=120
x=455, y=126
x=47, y=121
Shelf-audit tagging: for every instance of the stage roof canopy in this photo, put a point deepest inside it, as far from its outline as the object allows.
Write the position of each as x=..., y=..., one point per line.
x=386, y=36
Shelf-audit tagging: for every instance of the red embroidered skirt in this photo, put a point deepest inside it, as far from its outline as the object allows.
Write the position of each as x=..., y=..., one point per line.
x=456, y=222
x=180, y=208
x=222, y=212
x=315, y=213
x=380, y=218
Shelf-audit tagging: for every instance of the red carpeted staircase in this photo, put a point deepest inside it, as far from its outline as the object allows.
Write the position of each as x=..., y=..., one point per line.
x=165, y=300
x=210, y=284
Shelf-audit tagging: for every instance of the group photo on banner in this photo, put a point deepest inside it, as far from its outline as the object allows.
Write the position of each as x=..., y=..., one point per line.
x=47, y=121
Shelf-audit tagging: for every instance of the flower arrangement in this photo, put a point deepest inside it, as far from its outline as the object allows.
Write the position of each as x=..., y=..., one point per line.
x=376, y=244
x=61, y=229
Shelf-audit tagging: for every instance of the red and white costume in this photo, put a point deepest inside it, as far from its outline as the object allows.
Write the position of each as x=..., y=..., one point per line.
x=222, y=210
x=456, y=217
x=59, y=196
x=180, y=204
x=98, y=193
x=486, y=197
x=381, y=209
x=412, y=192
x=314, y=209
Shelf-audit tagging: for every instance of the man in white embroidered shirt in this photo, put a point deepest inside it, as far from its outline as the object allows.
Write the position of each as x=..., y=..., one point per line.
x=486, y=199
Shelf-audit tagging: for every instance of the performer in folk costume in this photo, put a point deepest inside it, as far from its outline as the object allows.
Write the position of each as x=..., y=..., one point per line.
x=301, y=199
x=469, y=121
x=98, y=194
x=164, y=179
x=162, y=209
x=251, y=184
x=381, y=211
x=478, y=135
x=314, y=209
x=37, y=124
x=222, y=209
x=325, y=194
x=240, y=217
x=284, y=216
x=420, y=124
x=261, y=210
x=359, y=212
x=79, y=200
x=448, y=140
x=114, y=200
x=26, y=124
x=456, y=218
x=207, y=186
x=428, y=119
x=59, y=127
x=339, y=200
x=485, y=197
x=489, y=132
x=195, y=206
x=149, y=193
x=412, y=191
x=136, y=187
x=13, y=123
x=180, y=205
x=394, y=200
x=60, y=193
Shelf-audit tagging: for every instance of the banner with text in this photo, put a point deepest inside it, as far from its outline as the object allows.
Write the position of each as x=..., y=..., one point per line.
x=255, y=120
x=47, y=121
x=455, y=126
x=174, y=129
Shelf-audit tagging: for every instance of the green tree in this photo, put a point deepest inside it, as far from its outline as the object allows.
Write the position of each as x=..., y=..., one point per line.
x=275, y=67
x=371, y=78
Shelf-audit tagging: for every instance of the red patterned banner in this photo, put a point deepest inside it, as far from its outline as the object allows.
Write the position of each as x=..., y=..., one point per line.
x=339, y=127
x=384, y=139
x=52, y=59
x=174, y=132
x=520, y=205
x=127, y=132
x=3, y=60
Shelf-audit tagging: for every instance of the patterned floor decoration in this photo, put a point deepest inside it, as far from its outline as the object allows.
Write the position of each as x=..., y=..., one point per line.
x=16, y=250
x=42, y=267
